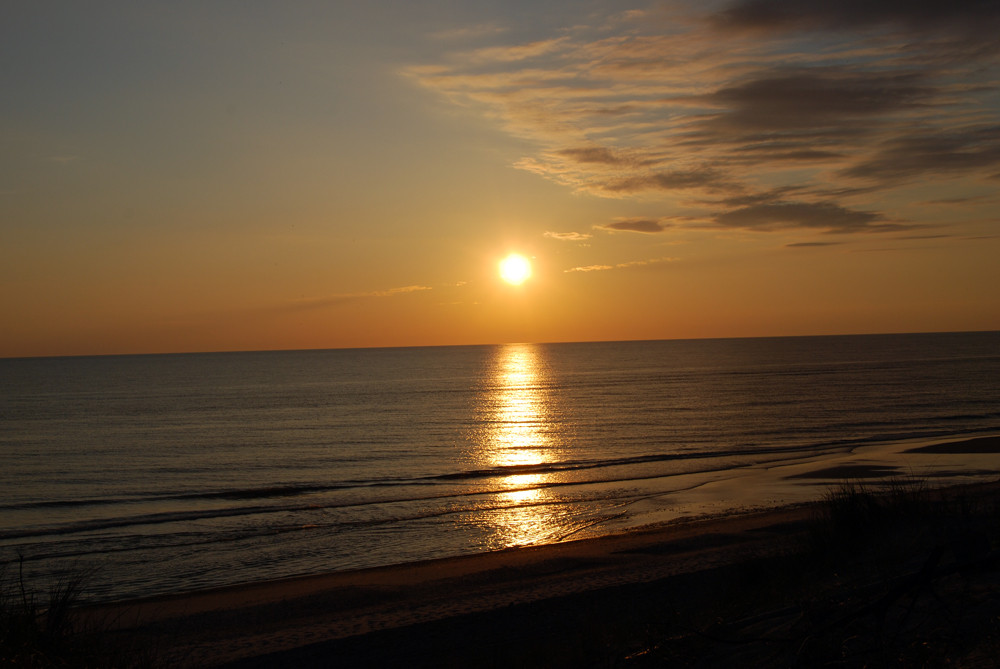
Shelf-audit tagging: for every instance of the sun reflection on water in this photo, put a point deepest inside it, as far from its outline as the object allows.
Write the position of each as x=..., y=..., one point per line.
x=518, y=436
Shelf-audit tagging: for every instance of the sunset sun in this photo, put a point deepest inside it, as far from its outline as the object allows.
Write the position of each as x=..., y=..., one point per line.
x=515, y=269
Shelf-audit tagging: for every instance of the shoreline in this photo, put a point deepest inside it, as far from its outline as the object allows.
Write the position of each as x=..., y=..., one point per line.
x=238, y=623
x=272, y=622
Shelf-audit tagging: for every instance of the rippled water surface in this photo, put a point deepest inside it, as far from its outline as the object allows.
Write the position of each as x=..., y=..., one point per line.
x=185, y=471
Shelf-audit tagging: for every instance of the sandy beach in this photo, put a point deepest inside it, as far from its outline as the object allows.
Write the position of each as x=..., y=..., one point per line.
x=435, y=610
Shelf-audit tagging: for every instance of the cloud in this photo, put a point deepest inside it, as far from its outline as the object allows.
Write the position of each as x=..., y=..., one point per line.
x=796, y=245
x=469, y=32
x=955, y=200
x=516, y=52
x=590, y=268
x=921, y=237
x=567, y=236
x=623, y=265
x=332, y=300
x=643, y=263
x=595, y=154
x=832, y=105
x=671, y=180
x=823, y=116
x=927, y=151
x=825, y=216
x=975, y=20
x=816, y=98
x=396, y=291
x=645, y=225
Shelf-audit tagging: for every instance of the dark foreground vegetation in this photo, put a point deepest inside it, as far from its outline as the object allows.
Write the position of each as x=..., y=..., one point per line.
x=889, y=575
x=38, y=630
x=881, y=575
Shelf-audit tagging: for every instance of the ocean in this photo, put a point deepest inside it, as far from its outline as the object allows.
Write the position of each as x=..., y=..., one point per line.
x=162, y=473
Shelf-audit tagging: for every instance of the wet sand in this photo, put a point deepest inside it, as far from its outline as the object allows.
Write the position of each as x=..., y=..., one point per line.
x=355, y=618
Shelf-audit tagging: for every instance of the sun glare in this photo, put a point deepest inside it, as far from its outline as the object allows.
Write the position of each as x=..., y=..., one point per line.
x=515, y=269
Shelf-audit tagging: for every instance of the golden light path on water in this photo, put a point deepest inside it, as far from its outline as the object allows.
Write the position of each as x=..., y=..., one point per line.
x=518, y=435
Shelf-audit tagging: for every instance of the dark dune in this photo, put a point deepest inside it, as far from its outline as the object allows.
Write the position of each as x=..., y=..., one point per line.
x=978, y=445
x=850, y=471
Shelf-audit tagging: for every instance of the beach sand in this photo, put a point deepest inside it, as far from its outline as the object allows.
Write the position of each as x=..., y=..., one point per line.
x=542, y=606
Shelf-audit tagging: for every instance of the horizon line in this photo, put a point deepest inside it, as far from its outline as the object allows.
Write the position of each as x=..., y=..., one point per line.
x=476, y=345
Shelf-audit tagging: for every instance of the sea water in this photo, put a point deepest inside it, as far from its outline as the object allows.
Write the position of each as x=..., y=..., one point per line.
x=178, y=472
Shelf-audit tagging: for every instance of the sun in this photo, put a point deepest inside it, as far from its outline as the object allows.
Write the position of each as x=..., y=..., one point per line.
x=515, y=269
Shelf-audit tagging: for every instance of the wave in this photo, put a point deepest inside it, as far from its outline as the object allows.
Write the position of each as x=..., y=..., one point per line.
x=300, y=489
x=698, y=451
x=503, y=471
x=434, y=481
x=178, y=516
x=263, y=492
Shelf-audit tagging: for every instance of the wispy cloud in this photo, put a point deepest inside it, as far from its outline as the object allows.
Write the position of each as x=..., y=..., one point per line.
x=825, y=216
x=644, y=225
x=590, y=268
x=395, y=291
x=623, y=265
x=567, y=236
x=515, y=52
x=842, y=101
x=463, y=33
x=796, y=245
x=332, y=300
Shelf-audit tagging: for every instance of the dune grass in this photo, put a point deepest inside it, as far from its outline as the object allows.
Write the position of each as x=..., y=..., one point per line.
x=38, y=629
x=858, y=513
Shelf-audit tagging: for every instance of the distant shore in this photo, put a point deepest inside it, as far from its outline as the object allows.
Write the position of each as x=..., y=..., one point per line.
x=311, y=621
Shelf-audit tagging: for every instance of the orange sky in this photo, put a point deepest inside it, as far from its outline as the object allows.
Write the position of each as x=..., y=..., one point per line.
x=292, y=175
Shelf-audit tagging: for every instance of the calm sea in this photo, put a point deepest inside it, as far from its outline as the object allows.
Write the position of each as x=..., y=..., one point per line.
x=172, y=472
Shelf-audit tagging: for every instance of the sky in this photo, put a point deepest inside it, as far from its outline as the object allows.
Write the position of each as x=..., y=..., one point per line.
x=211, y=176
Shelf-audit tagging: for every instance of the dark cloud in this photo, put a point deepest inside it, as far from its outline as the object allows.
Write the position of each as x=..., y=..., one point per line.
x=796, y=245
x=922, y=152
x=775, y=195
x=819, y=115
x=971, y=18
x=938, y=31
x=672, y=180
x=592, y=155
x=921, y=237
x=817, y=97
x=645, y=225
x=826, y=216
x=775, y=151
x=955, y=200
